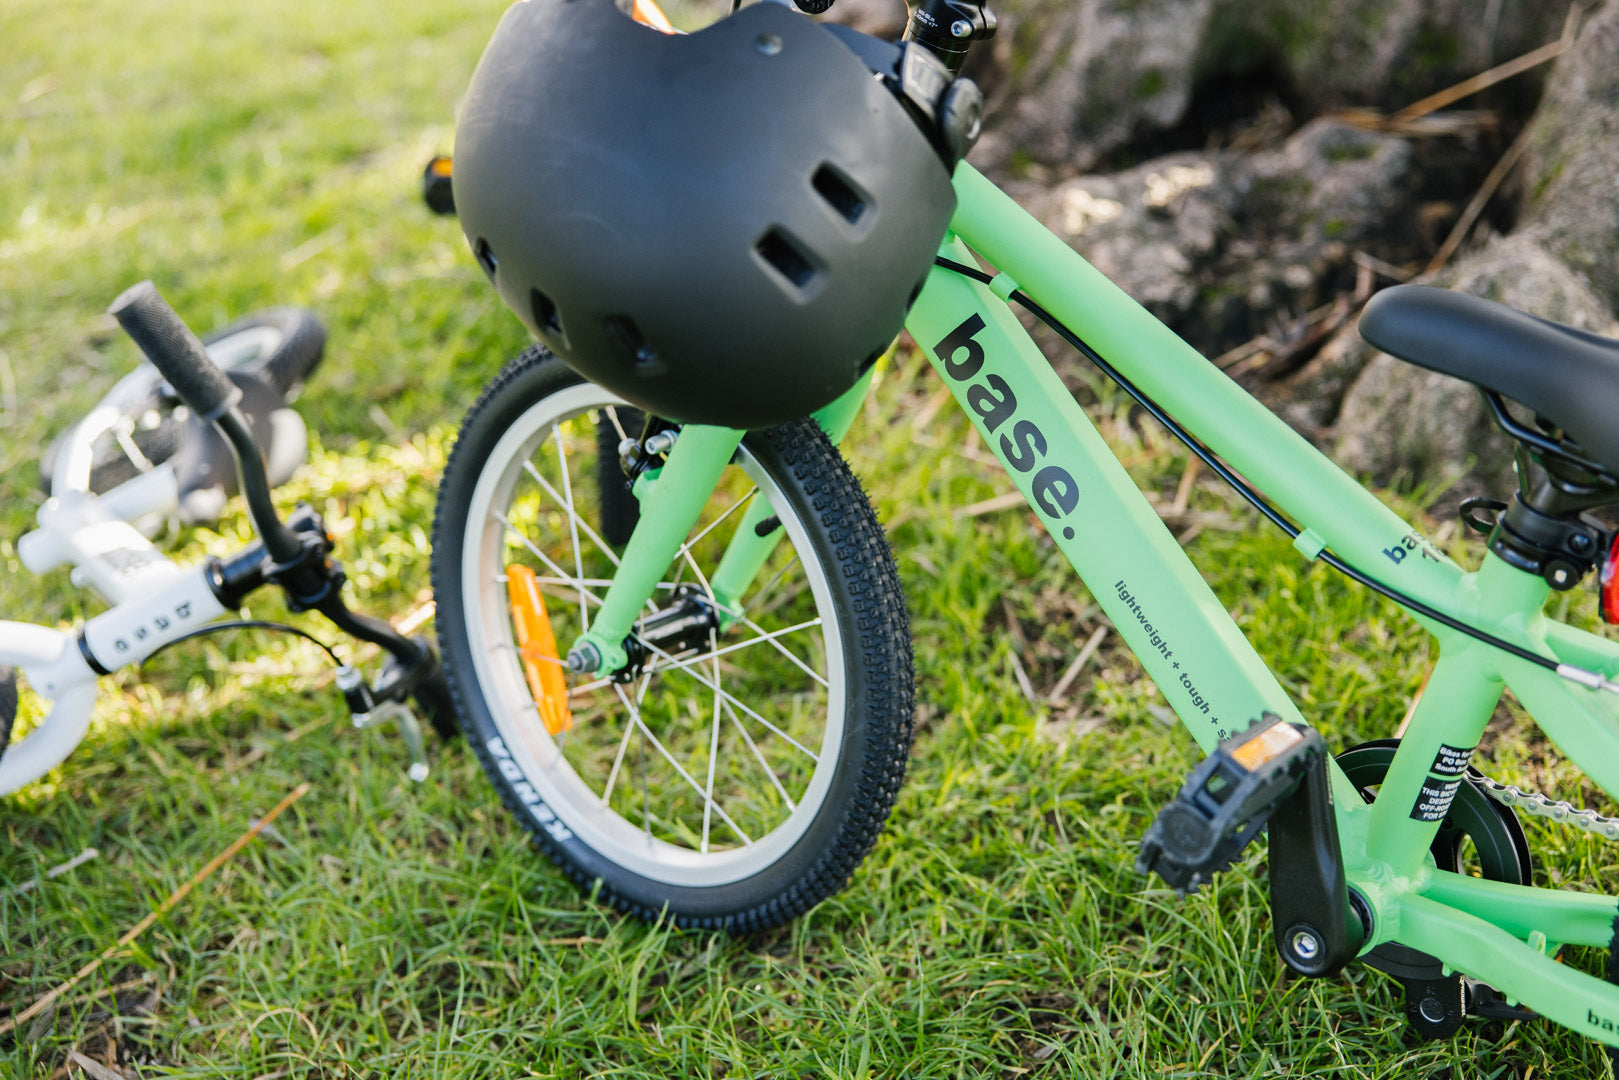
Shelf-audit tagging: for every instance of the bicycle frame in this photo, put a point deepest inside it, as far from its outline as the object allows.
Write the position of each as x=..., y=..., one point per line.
x=1505, y=935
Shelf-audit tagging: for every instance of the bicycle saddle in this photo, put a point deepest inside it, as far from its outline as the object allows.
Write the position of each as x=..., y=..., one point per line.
x=1568, y=376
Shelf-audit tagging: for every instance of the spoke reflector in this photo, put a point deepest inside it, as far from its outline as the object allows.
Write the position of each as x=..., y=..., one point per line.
x=537, y=645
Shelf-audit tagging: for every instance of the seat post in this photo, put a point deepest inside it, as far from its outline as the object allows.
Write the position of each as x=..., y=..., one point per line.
x=1544, y=529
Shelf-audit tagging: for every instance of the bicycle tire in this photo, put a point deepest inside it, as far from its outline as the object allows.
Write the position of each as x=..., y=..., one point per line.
x=281, y=344
x=8, y=705
x=646, y=858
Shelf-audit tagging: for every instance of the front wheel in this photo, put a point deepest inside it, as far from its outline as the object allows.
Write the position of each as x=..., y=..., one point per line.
x=732, y=781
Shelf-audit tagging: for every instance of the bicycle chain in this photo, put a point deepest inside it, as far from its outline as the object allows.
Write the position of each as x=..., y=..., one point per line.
x=1537, y=805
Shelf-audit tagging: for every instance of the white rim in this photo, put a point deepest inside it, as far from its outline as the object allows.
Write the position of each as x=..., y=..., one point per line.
x=248, y=345
x=541, y=758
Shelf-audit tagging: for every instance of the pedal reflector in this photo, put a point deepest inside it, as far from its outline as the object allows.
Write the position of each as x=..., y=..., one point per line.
x=648, y=13
x=537, y=646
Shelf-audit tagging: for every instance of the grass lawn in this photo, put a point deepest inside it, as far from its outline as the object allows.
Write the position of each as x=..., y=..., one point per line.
x=244, y=155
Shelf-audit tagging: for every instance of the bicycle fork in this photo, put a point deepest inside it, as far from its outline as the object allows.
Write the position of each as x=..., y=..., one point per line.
x=672, y=498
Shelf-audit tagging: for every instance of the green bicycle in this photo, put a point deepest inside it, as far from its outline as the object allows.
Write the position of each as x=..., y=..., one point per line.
x=736, y=711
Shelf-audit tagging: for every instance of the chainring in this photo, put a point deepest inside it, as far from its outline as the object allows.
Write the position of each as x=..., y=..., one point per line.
x=1436, y=1003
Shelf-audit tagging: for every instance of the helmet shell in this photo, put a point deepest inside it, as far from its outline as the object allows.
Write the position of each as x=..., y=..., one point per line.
x=725, y=227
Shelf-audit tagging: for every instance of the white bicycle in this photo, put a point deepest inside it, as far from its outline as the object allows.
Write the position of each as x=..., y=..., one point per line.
x=177, y=438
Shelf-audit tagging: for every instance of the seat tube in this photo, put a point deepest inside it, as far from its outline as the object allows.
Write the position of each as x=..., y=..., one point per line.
x=1445, y=728
x=670, y=506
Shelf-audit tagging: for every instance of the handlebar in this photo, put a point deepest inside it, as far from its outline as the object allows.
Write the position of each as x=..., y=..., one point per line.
x=168, y=607
x=175, y=351
x=209, y=393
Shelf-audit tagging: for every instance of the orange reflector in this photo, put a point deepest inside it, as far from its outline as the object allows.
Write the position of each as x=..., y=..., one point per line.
x=1268, y=744
x=648, y=13
x=537, y=646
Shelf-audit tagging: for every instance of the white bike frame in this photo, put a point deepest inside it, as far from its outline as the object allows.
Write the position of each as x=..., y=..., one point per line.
x=154, y=600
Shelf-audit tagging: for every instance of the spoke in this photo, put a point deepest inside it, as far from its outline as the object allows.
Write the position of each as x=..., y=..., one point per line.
x=713, y=744
x=624, y=744
x=763, y=638
x=544, y=558
x=593, y=583
x=646, y=732
x=611, y=412
x=687, y=668
x=646, y=804
x=565, y=501
x=568, y=582
x=764, y=592
x=760, y=758
x=573, y=520
x=685, y=549
x=770, y=638
x=506, y=646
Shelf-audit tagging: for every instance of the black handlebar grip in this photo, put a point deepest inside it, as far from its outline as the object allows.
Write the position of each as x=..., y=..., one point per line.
x=175, y=351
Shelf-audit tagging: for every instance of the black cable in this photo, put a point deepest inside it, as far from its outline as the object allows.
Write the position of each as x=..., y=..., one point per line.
x=249, y=624
x=1203, y=453
x=1241, y=486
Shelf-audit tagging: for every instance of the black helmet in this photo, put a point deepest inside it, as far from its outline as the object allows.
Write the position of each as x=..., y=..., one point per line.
x=725, y=227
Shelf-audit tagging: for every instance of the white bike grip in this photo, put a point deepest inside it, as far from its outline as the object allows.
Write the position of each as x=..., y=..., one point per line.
x=175, y=351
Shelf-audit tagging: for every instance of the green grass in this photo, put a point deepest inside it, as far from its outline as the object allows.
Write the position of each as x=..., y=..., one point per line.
x=244, y=155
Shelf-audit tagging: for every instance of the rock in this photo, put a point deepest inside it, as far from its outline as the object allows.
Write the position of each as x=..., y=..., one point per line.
x=880, y=18
x=1310, y=398
x=1217, y=244
x=1398, y=421
x=1572, y=165
x=1086, y=80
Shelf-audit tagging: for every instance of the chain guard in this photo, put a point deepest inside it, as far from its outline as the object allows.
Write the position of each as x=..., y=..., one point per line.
x=1436, y=1003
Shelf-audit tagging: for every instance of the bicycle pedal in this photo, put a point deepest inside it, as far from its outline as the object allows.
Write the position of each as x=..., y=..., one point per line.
x=1226, y=800
x=1485, y=1000
x=438, y=190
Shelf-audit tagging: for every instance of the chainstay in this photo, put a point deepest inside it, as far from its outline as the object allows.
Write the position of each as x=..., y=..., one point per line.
x=1537, y=805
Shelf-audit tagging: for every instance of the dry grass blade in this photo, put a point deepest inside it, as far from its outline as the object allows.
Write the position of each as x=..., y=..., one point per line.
x=92, y=1068
x=1072, y=671
x=1482, y=81
x=158, y=912
x=1011, y=500
x=58, y=870
x=1475, y=206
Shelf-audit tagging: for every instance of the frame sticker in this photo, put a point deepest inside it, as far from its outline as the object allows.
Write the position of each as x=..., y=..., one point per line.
x=1433, y=801
x=1451, y=760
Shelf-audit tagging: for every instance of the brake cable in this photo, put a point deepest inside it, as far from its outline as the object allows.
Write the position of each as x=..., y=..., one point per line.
x=1590, y=679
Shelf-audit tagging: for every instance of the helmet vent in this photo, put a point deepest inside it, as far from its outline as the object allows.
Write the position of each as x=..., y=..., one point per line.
x=545, y=311
x=626, y=338
x=783, y=254
x=839, y=193
x=485, y=256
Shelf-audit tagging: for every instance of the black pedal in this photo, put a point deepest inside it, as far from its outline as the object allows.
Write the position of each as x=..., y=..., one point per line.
x=437, y=192
x=1226, y=801
x=1273, y=774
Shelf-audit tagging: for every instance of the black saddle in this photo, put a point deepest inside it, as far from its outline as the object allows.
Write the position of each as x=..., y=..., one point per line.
x=1567, y=376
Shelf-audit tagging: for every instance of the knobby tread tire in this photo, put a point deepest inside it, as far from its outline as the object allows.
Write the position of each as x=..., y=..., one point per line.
x=303, y=343
x=8, y=705
x=879, y=712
